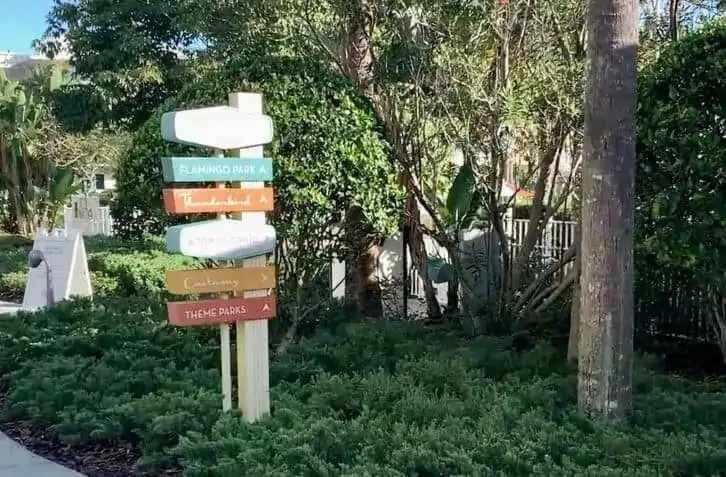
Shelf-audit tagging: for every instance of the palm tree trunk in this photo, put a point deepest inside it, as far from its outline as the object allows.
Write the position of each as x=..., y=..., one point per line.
x=362, y=284
x=606, y=285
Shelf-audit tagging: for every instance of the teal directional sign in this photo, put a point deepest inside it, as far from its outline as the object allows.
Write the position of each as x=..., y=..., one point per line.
x=216, y=169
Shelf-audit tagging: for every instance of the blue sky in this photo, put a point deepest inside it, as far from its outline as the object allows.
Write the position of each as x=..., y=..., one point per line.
x=21, y=22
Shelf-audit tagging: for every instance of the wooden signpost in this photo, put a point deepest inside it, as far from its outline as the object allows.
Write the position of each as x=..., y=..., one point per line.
x=215, y=280
x=208, y=169
x=194, y=201
x=222, y=239
x=248, y=237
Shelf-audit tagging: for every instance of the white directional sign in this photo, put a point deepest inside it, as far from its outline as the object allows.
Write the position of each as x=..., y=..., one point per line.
x=219, y=127
x=221, y=239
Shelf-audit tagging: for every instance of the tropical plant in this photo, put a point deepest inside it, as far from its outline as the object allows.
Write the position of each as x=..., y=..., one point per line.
x=36, y=178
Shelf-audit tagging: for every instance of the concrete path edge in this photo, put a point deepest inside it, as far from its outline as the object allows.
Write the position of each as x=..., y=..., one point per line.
x=17, y=461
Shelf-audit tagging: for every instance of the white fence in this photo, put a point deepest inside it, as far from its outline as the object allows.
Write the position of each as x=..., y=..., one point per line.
x=557, y=237
x=88, y=216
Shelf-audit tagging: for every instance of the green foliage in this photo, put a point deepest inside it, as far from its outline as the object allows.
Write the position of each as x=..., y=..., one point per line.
x=681, y=182
x=681, y=185
x=81, y=107
x=377, y=399
x=128, y=50
x=460, y=196
x=439, y=271
x=127, y=269
x=328, y=155
x=328, y=152
x=35, y=184
x=113, y=370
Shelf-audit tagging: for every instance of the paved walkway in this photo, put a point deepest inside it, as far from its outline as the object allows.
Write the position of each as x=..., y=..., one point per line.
x=6, y=307
x=16, y=460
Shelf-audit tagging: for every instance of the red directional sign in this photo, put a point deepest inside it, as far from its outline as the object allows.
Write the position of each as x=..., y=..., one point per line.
x=214, y=312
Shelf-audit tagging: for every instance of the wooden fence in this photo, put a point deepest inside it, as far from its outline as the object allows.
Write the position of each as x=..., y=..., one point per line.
x=668, y=304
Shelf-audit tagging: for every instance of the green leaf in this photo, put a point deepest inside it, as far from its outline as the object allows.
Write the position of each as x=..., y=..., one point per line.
x=61, y=186
x=461, y=193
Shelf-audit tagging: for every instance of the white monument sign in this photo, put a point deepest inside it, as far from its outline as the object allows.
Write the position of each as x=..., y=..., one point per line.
x=65, y=253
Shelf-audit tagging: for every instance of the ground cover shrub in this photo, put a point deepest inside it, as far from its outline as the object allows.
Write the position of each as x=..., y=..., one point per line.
x=126, y=268
x=357, y=399
x=110, y=370
x=13, y=255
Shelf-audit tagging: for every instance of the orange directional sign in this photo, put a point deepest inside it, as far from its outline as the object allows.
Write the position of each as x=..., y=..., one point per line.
x=215, y=312
x=192, y=201
x=213, y=280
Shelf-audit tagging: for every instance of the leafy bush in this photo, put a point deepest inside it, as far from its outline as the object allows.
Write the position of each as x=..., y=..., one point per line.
x=362, y=399
x=682, y=151
x=681, y=186
x=328, y=155
x=328, y=151
x=117, y=267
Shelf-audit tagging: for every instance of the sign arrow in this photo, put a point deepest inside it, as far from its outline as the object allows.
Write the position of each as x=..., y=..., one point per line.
x=214, y=280
x=221, y=239
x=216, y=169
x=219, y=127
x=211, y=312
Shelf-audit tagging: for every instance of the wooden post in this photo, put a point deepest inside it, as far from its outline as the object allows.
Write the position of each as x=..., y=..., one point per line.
x=225, y=128
x=253, y=368
x=225, y=341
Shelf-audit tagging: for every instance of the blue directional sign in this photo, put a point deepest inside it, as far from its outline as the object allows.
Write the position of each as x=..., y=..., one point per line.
x=216, y=169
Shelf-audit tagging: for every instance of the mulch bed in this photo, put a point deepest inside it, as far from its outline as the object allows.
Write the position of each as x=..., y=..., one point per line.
x=100, y=459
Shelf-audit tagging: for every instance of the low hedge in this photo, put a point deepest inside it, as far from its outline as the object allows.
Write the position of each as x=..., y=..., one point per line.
x=117, y=267
x=379, y=399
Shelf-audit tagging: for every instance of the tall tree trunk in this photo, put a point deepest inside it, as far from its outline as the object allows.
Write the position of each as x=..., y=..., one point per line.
x=362, y=284
x=452, y=296
x=673, y=19
x=420, y=256
x=359, y=46
x=362, y=287
x=606, y=286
